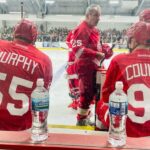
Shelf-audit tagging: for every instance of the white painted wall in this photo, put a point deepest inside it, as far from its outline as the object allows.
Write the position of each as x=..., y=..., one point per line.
x=70, y=21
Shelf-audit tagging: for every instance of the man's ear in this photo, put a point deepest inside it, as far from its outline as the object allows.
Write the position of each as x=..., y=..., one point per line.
x=87, y=16
x=134, y=42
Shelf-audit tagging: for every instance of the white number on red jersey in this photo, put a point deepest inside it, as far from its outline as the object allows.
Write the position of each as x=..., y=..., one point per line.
x=2, y=77
x=15, y=82
x=76, y=43
x=144, y=103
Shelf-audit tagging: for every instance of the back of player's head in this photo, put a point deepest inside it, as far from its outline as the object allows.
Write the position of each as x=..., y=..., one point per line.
x=145, y=15
x=91, y=8
x=140, y=31
x=25, y=30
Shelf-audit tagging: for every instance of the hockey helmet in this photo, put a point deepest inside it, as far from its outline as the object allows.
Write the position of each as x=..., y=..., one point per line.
x=25, y=30
x=145, y=15
x=140, y=31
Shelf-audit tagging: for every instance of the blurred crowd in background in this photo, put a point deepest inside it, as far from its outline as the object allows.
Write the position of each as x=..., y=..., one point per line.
x=56, y=35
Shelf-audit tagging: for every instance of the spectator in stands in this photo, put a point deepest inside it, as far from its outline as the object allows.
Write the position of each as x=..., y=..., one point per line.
x=20, y=66
x=60, y=34
x=134, y=71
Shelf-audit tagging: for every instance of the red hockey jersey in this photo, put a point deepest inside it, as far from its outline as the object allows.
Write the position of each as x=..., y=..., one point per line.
x=86, y=43
x=71, y=55
x=20, y=66
x=134, y=70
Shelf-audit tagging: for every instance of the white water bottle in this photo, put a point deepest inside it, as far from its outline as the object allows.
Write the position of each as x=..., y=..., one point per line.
x=40, y=107
x=118, y=106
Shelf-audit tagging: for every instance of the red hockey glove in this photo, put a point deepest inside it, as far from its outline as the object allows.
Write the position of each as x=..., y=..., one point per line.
x=107, y=50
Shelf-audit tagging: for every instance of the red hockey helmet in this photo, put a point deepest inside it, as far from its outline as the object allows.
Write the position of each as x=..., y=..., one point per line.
x=140, y=31
x=26, y=30
x=145, y=15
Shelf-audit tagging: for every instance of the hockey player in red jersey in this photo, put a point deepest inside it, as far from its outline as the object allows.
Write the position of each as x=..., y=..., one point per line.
x=133, y=70
x=145, y=15
x=20, y=66
x=87, y=49
x=71, y=74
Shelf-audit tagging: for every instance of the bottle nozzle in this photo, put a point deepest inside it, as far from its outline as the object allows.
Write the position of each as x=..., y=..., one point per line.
x=119, y=85
x=40, y=82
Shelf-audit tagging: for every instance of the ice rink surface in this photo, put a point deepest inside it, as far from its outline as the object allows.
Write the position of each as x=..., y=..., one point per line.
x=59, y=113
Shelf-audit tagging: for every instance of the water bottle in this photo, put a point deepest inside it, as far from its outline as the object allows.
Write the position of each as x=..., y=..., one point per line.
x=40, y=107
x=117, y=115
